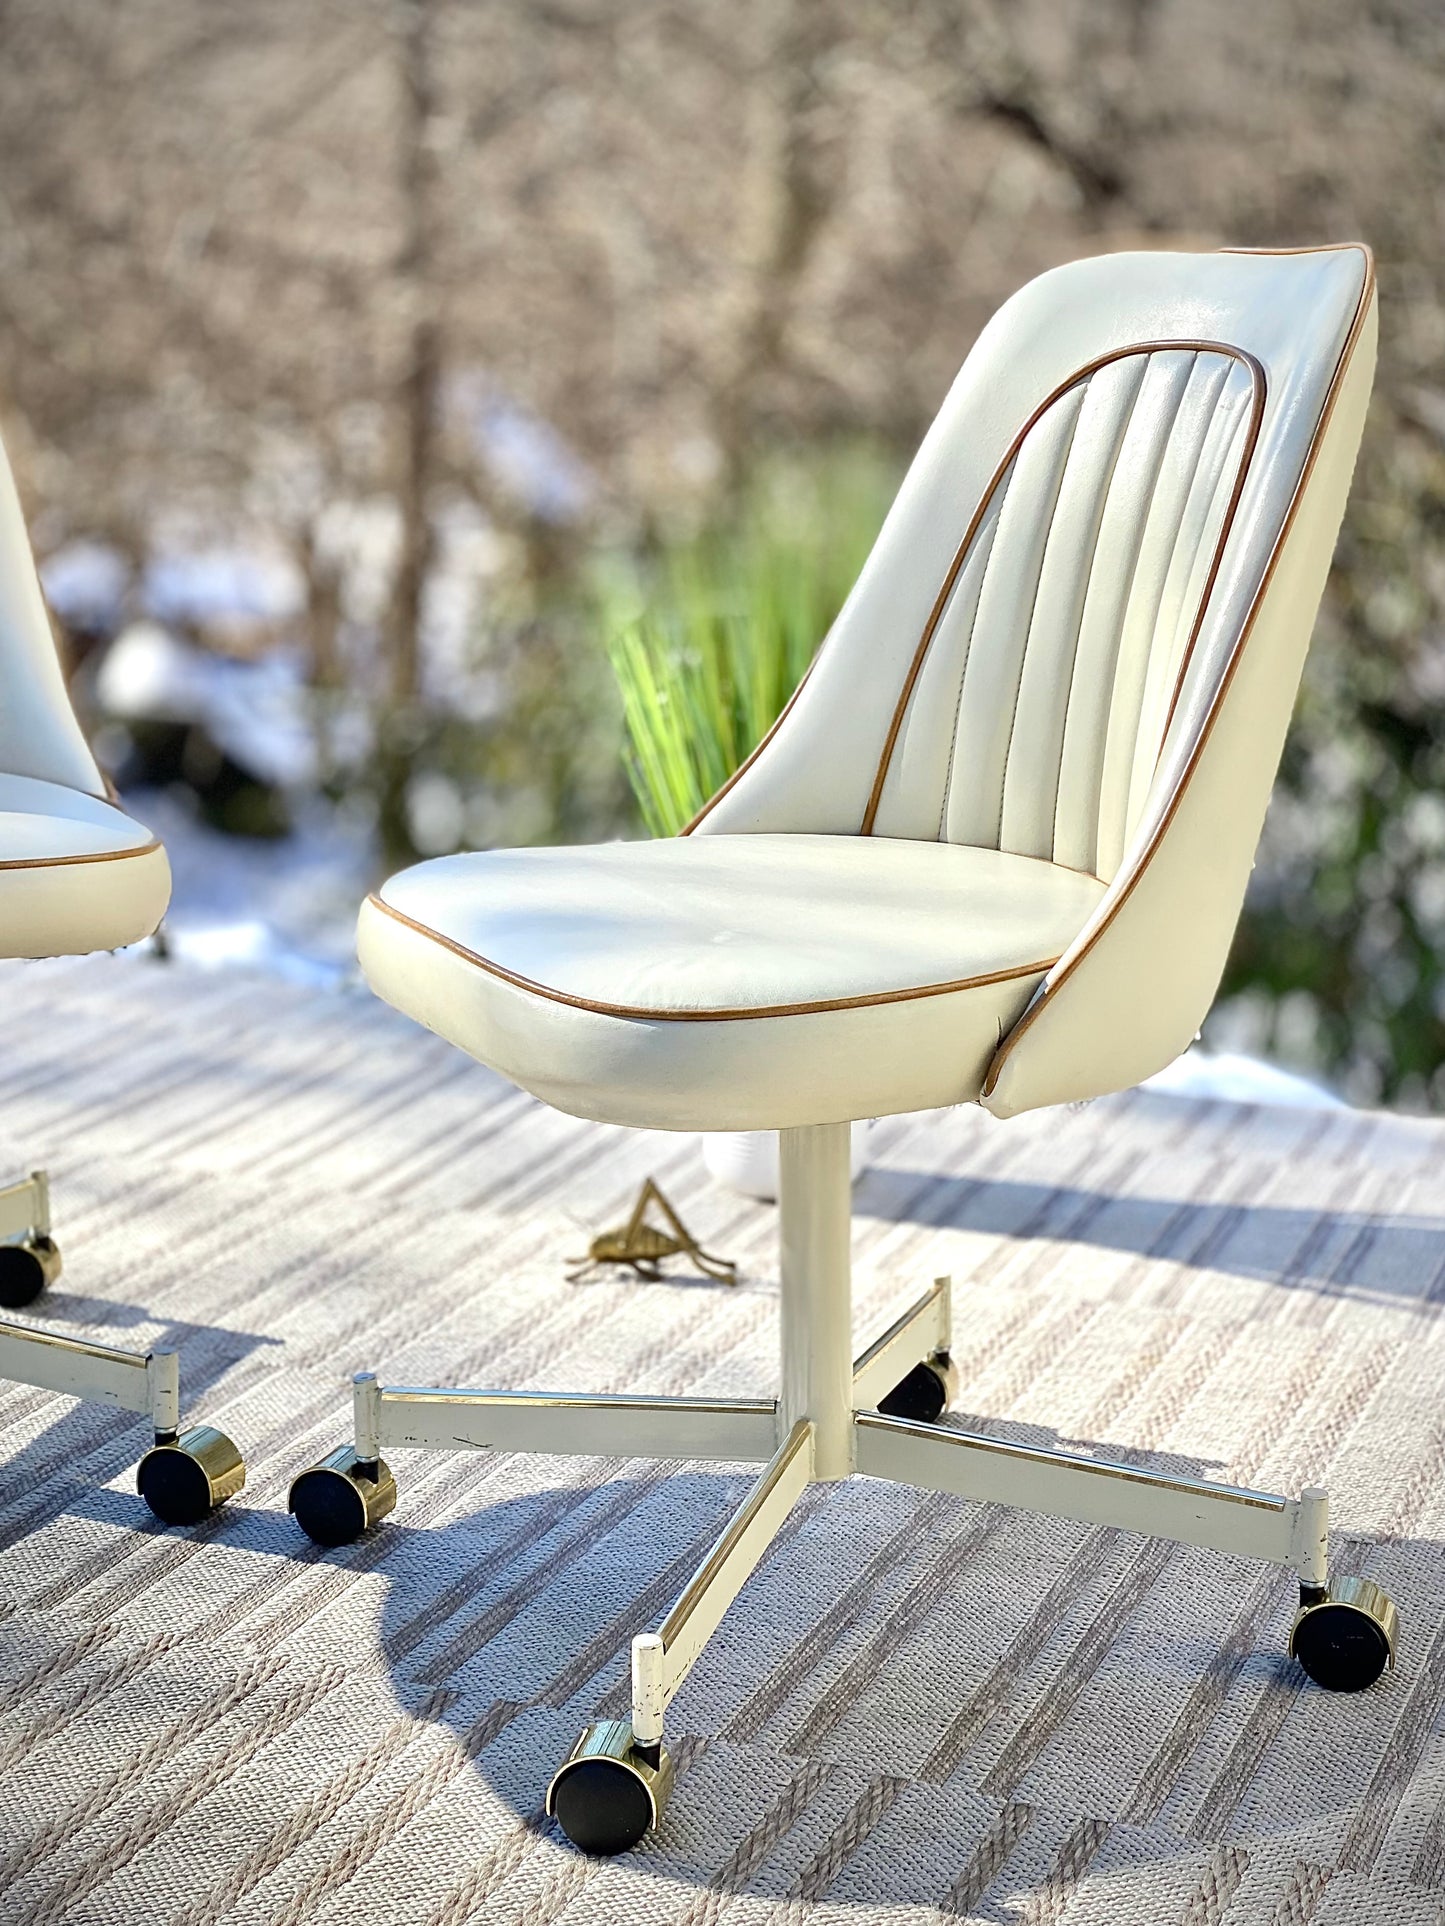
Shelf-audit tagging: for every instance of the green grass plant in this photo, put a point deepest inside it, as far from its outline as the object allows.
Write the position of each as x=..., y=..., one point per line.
x=709, y=636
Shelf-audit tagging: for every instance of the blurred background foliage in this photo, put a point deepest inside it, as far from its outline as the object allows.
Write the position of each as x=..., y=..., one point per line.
x=709, y=636
x=1339, y=964
x=407, y=394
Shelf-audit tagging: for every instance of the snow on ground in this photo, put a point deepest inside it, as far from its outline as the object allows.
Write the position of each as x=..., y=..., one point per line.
x=1240, y=1079
x=286, y=906
x=257, y=711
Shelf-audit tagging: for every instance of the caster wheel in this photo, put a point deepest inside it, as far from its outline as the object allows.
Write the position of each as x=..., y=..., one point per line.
x=26, y=1269
x=337, y=1500
x=608, y=1791
x=183, y=1480
x=1346, y=1639
x=924, y=1394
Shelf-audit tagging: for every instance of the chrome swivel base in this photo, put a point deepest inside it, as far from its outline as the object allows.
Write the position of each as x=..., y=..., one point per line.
x=873, y=1416
x=186, y=1474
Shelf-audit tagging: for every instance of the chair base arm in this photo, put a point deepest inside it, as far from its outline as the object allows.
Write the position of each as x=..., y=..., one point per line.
x=923, y=1333
x=1062, y=1484
x=565, y=1423
x=661, y=1660
x=614, y=1783
x=25, y=1207
x=186, y=1474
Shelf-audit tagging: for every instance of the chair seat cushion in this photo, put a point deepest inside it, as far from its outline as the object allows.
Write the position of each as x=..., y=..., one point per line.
x=76, y=873
x=726, y=982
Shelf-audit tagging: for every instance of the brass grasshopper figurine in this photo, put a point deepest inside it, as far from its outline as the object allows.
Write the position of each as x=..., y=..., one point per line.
x=642, y=1245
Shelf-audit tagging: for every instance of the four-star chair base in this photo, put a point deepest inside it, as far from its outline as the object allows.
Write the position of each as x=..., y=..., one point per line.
x=835, y=1417
x=185, y=1474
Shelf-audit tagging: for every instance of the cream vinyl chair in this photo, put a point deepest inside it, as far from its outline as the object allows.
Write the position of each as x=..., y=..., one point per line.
x=993, y=852
x=76, y=875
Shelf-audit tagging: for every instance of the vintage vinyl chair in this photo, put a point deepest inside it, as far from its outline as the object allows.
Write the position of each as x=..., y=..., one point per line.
x=76, y=874
x=993, y=852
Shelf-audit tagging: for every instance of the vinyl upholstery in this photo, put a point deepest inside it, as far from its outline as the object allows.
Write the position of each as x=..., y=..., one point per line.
x=1056, y=696
x=1071, y=614
x=76, y=873
x=849, y=927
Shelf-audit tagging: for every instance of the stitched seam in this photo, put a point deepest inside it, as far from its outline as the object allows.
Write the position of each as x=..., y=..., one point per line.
x=1168, y=569
x=1232, y=417
x=1002, y=497
x=1256, y=422
x=1236, y=435
x=1112, y=676
x=1106, y=488
x=1033, y=608
x=727, y=1014
x=1109, y=670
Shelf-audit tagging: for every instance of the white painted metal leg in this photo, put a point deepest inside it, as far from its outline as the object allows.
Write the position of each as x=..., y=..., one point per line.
x=25, y=1207
x=1063, y=1484
x=1310, y=1552
x=925, y=1329
x=101, y=1373
x=163, y=1383
x=366, y=1416
x=567, y=1423
x=814, y=1226
x=661, y=1660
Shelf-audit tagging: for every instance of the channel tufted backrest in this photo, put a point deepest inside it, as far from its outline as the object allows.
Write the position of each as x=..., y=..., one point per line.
x=1053, y=603
x=1081, y=629
x=1033, y=713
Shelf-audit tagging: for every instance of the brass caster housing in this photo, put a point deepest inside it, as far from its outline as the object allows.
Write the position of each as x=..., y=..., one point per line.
x=26, y=1269
x=926, y=1393
x=609, y=1790
x=339, y=1499
x=184, y=1478
x=1345, y=1637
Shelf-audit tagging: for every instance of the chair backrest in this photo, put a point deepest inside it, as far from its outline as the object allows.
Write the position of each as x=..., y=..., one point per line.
x=1037, y=708
x=1077, y=539
x=1080, y=633
x=39, y=735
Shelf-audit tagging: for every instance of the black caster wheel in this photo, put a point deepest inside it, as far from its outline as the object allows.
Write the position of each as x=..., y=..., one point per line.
x=608, y=1791
x=339, y=1499
x=184, y=1479
x=1345, y=1639
x=26, y=1269
x=924, y=1394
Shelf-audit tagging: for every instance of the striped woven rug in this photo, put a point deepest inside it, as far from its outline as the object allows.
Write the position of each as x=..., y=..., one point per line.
x=919, y=1710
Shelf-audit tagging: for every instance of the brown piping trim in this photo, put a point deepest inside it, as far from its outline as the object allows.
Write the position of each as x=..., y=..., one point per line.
x=727, y=1015
x=97, y=856
x=1314, y=247
x=1050, y=988
x=935, y=616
